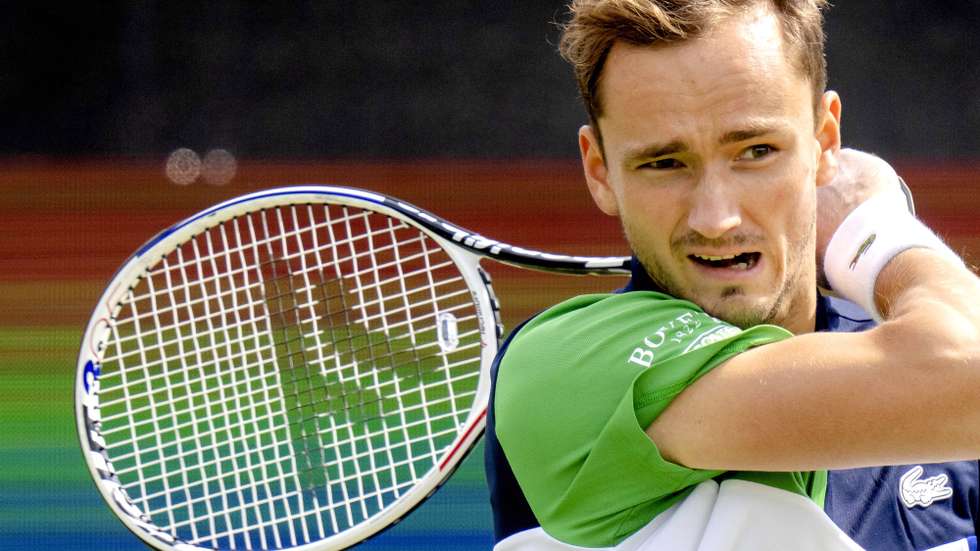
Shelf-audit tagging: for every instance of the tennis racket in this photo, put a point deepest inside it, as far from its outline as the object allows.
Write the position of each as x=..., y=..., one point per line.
x=292, y=369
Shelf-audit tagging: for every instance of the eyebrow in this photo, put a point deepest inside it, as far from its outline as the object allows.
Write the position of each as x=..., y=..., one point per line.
x=657, y=150
x=736, y=136
x=678, y=146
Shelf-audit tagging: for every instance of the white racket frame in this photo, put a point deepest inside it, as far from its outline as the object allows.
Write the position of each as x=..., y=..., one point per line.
x=465, y=248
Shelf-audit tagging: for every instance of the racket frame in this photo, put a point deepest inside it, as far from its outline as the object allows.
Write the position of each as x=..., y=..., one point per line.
x=464, y=247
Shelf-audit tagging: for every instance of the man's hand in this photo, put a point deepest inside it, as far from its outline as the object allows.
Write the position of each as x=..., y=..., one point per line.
x=859, y=177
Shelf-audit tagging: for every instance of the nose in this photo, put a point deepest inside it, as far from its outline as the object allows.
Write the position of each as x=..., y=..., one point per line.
x=714, y=208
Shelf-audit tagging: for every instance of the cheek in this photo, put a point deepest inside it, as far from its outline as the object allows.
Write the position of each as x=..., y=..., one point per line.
x=800, y=226
x=794, y=199
x=664, y=219
x=650, y=227
x=773, y=211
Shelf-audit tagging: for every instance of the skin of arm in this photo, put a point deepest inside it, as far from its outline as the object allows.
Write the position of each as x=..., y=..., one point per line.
x=903, y=392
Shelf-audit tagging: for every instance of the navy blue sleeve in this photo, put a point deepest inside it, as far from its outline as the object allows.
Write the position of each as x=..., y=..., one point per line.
x=899, y=507
x=511, y=512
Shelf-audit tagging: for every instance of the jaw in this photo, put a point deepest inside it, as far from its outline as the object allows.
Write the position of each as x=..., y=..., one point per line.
x=742, y=296
x=735, y=306
x=787, y=300
x=774, y=288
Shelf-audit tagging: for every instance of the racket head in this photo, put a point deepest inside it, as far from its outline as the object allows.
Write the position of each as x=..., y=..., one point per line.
x=232, y=392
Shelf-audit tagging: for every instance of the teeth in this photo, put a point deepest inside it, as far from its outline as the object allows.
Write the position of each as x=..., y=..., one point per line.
x=715, y=258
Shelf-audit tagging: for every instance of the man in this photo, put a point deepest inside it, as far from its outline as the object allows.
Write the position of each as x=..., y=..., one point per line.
x=676, y=414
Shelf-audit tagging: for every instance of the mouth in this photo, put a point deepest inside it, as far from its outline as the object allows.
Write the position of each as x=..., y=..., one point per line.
x=735, y=262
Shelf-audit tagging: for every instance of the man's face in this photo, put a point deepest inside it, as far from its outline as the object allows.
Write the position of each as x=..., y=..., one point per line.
x=711, y=162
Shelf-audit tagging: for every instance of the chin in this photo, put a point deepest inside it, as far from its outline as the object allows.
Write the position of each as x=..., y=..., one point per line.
x=745, y=304
x=741, y=310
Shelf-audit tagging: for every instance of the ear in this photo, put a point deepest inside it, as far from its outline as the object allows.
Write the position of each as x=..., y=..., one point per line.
x=596, y=173
x=828, y=137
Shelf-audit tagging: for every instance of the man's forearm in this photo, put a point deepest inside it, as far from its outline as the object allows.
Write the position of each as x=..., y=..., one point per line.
x=902, y=392
x=930, y=302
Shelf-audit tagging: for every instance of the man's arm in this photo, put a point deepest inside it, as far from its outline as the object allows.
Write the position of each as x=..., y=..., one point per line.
x=906, y=391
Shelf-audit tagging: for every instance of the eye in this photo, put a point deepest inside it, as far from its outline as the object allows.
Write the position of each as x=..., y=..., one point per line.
x=666, y=163
x=756, y=152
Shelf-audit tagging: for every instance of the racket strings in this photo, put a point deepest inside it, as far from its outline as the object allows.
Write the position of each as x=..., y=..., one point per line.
x=280, y=377
x=194, y=296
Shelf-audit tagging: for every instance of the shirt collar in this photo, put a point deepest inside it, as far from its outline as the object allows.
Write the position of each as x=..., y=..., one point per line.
x=639, y=279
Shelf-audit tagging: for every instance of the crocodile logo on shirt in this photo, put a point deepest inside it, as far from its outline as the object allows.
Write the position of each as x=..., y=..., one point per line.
x=915, y=490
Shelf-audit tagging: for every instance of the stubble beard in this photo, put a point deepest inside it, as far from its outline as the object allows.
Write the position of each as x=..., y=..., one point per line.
x=774, y=311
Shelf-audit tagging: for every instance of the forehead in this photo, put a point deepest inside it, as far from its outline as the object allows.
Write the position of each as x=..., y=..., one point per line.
x=740, y=69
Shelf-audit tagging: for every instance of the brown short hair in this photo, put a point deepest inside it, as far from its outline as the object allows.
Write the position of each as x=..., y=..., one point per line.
x=595, y=25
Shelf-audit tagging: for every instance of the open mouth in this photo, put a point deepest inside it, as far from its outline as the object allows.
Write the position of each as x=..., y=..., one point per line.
x=743, y=261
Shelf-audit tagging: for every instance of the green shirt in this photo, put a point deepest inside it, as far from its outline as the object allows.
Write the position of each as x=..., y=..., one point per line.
x=575, y=391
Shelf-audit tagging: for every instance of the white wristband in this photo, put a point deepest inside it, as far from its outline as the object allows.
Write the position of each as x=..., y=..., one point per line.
x=874, y=233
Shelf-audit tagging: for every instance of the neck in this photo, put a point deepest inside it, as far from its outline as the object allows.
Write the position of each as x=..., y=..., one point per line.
x=801, y=312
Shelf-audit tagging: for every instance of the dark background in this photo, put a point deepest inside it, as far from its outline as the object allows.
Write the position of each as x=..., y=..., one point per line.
x=394, y=79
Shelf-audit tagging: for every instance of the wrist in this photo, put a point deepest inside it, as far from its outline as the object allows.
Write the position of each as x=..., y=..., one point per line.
x=866, y=242
x=908, y=269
